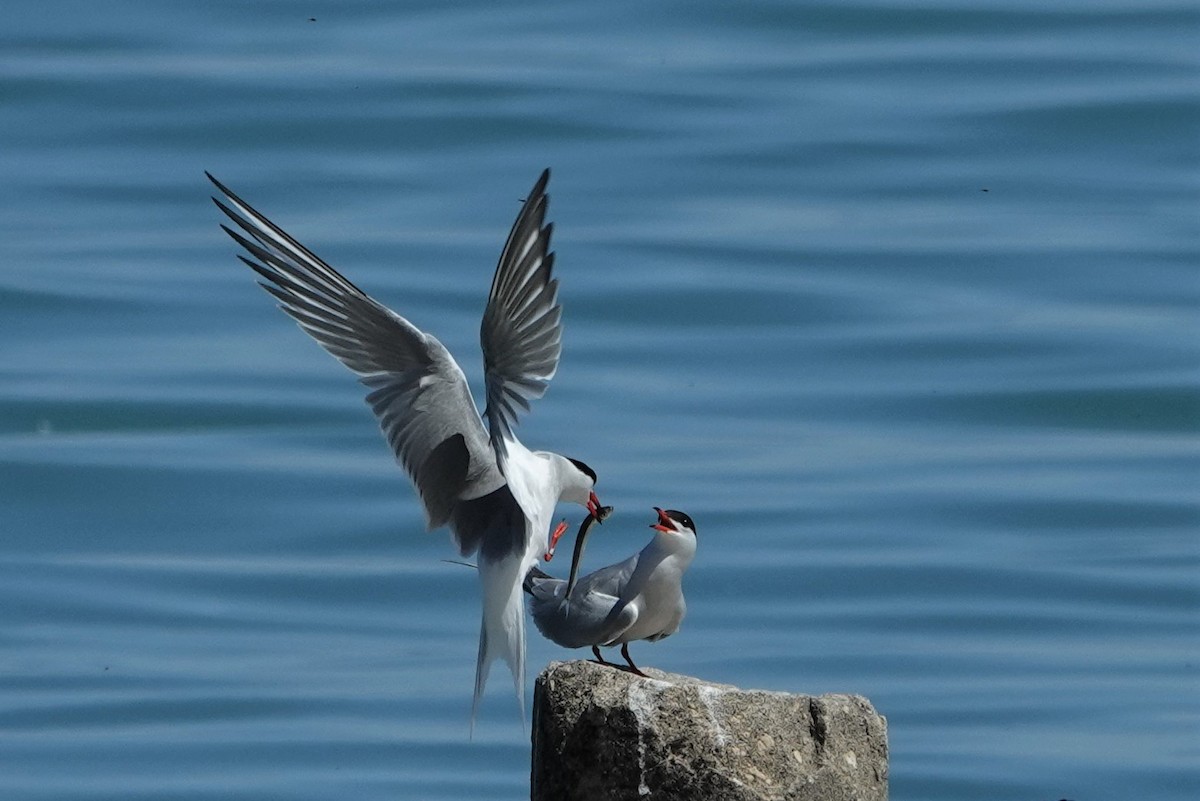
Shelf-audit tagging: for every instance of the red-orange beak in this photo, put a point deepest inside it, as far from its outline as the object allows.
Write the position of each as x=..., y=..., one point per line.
x=664, y=522
x=593, y=506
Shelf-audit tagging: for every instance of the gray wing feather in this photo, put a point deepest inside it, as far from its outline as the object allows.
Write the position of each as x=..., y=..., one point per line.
x=591, y=616
x=418, y=391
x=609, y=580
x=521, y=332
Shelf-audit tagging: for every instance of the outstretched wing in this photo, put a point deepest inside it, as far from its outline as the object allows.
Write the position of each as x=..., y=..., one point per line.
x=418, y=391
x=521, y=332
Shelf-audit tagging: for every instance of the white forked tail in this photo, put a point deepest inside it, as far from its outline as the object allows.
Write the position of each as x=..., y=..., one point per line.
x=502, y=633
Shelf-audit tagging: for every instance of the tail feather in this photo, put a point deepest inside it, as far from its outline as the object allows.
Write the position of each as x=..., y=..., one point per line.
x=483, y=665
x=502, y=633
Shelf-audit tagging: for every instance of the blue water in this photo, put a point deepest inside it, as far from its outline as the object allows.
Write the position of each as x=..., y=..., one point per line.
x=898, y=301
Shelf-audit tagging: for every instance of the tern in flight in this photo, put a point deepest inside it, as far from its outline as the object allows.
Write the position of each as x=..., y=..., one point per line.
x=497, y=496
x=640, y=598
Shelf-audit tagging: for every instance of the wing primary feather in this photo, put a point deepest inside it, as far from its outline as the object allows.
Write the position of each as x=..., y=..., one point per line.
x=416, y=389
x=419, y=394
x=535, y=205
x=521, y=330
x=280, y=234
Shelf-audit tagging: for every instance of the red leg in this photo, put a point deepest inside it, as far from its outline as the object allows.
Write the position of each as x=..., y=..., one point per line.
x=559, y=530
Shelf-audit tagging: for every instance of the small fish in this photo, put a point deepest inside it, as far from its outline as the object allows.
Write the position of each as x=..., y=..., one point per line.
x=600, y=516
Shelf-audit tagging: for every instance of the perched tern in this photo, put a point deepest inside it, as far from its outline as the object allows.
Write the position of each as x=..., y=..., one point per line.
x=496, y=496
x=640, y=598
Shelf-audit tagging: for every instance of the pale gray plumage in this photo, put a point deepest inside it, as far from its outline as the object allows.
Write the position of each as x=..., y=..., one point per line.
x=425, y=408
x=522, y=324
x=586, y=618
x=419, y=392
x=640, y=598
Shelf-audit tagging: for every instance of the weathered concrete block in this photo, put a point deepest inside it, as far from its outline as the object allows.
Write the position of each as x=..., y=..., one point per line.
x=601, y=734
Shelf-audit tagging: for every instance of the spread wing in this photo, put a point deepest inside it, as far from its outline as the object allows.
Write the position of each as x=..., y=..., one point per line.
x=418, y=391
x=521, y=332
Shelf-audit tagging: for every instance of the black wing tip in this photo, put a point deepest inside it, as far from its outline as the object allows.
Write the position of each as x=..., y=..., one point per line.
x=538, y=193
x=223, y=189
x=237, y=218
x=229, y=195
x=265, y=272
x=234, y=235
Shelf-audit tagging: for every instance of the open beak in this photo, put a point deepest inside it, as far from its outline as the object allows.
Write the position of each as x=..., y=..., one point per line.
x=593, y=506
x=664, y=522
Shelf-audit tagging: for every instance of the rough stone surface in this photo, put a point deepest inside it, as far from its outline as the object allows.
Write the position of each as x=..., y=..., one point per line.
x=602, y=734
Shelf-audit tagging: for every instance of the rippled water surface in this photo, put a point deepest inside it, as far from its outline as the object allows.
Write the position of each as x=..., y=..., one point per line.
x=898, y=301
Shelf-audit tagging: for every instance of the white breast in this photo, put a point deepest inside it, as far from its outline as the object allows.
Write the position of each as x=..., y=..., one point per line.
x=660, y=603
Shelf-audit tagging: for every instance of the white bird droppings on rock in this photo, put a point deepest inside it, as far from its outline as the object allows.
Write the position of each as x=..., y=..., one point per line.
x=605, y=734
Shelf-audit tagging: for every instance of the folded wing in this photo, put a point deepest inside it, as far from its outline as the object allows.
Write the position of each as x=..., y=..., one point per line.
x=594, y=613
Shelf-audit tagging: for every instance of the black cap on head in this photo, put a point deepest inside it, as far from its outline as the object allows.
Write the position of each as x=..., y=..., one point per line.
x=681, y=518
x=583, y=468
